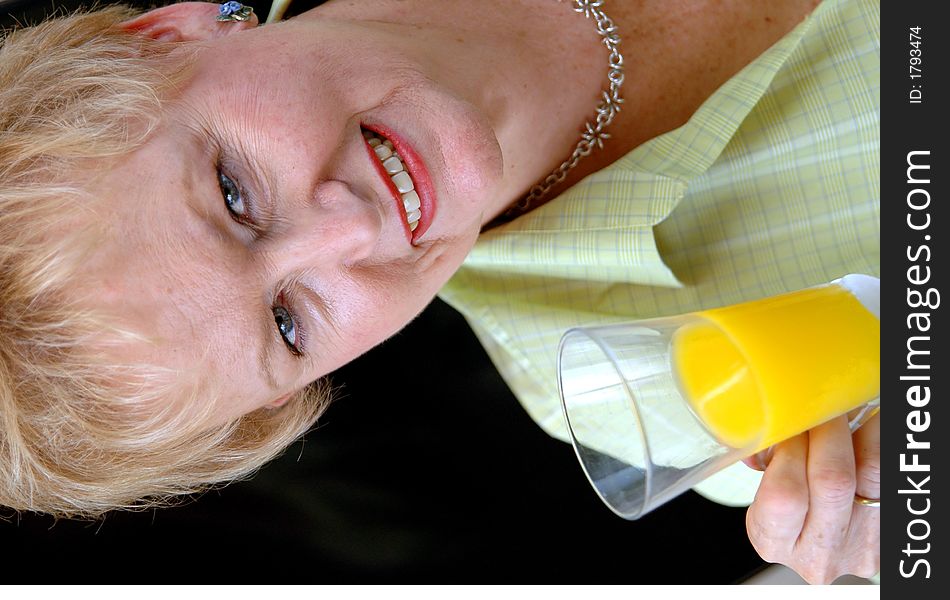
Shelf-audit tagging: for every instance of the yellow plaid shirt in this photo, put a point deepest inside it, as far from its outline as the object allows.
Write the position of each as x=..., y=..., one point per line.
x=771, y=186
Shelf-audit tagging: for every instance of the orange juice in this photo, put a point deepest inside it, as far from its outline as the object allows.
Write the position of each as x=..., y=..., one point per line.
x=764, y=371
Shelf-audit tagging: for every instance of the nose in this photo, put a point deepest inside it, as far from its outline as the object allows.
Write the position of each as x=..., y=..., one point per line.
x=334, y=228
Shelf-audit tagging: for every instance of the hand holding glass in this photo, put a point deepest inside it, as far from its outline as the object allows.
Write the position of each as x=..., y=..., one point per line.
x=655, y=406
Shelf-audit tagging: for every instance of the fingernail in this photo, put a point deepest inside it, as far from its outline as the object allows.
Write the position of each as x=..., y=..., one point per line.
x=765, y=457
x=757, y=461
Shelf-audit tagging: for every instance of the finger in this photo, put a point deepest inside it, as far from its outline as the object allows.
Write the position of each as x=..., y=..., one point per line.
x=760, y=460
x=831, y=485
x=867, y=458
x=775, y=519
x=864, y=554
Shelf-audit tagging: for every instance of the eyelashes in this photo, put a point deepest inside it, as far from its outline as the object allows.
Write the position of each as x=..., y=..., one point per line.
x=243, y=206
x=287, y=327
x=233, y=197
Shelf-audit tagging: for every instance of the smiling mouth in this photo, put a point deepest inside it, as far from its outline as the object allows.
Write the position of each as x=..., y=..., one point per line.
x=399, y=175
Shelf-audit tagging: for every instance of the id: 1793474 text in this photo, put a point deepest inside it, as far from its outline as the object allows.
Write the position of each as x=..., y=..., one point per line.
x=916, y=94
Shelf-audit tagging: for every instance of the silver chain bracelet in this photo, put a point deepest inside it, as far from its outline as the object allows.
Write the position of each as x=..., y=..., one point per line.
x=594, y=132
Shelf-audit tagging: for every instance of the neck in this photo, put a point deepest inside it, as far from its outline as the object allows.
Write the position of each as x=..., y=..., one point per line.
x=536, y=68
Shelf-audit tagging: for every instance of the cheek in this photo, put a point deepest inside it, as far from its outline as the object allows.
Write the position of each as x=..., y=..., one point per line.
x=373, y=303
x=373, y=310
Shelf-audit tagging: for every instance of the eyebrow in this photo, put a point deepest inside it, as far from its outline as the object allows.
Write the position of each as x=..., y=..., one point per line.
x=265, y=363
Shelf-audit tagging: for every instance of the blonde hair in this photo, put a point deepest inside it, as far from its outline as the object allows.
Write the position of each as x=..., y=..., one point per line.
x=80, y=435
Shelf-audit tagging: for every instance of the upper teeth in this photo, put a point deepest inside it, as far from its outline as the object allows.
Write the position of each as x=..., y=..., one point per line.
x=397, y=172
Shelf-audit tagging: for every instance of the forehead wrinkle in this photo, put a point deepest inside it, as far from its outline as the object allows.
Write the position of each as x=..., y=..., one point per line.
x=226, y=315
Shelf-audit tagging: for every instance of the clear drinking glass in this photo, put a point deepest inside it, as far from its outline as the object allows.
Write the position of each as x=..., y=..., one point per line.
x=655, y=406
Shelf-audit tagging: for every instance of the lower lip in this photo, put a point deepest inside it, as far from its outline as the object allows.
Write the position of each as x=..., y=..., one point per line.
x=420, y=179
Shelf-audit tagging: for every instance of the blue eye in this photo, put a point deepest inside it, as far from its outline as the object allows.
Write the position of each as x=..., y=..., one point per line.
x=286, y=327
x=232, y=196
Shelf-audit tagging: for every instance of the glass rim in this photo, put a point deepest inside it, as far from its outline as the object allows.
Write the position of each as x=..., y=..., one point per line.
x=576, y=444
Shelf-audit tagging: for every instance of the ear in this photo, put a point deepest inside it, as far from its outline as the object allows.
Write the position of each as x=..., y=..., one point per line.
x=186, y=22
x=280, y=401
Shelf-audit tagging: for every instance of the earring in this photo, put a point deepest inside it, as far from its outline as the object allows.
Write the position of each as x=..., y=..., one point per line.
x=234, y=12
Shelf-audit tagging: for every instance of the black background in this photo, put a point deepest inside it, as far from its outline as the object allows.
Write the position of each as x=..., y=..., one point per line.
x=426, y=470
x=907, y=127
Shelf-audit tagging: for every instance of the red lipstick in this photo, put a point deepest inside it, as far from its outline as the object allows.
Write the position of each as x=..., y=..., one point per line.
x=417, y=171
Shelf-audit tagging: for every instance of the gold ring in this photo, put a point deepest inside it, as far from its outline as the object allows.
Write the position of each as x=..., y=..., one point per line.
x=867, y=501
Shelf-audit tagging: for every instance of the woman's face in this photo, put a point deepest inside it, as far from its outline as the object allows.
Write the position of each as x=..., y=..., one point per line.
x=256, y=236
